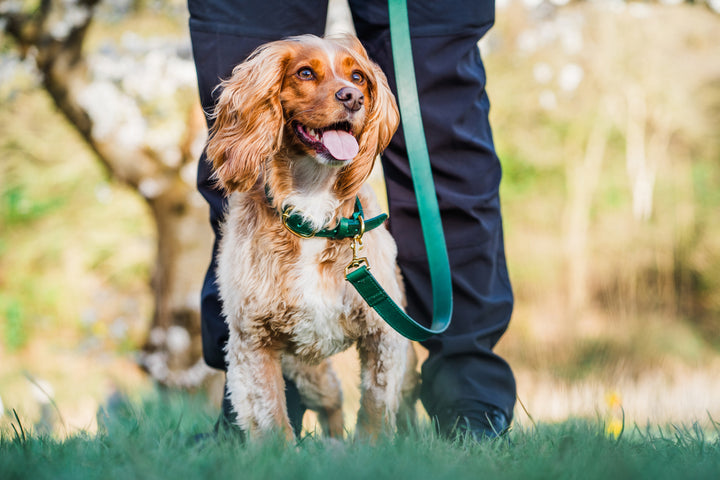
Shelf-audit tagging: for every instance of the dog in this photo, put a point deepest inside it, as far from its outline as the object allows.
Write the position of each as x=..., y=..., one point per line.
x=297, y=129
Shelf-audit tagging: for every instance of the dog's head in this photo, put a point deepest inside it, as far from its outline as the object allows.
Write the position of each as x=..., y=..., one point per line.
x=303, y=96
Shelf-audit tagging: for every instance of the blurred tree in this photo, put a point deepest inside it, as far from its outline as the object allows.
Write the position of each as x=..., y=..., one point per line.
x=160, y=167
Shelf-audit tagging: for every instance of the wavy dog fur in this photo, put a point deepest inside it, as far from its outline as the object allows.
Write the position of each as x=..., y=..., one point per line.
x=285, y=299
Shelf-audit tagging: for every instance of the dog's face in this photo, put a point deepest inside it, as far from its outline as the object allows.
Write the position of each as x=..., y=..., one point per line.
x=304, y=96
x=323, y=96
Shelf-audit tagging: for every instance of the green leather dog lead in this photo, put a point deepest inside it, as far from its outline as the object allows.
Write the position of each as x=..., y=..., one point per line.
x=441, y=282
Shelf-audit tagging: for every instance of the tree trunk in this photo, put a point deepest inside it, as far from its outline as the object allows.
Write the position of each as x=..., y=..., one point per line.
x=173, y=350
x=172, y=353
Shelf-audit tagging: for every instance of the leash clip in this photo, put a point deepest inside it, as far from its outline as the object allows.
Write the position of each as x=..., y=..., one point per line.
x=356, y=246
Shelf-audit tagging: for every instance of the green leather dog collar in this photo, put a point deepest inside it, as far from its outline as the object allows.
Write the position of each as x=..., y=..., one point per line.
x=345, y=228
x=354, y=226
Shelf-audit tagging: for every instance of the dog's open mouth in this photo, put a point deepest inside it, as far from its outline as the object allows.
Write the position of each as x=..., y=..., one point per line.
x=334, y=140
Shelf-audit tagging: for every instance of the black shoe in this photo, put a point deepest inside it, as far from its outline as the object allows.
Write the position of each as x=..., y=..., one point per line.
x=479, y=426
x=482, y=424
x=225, y=427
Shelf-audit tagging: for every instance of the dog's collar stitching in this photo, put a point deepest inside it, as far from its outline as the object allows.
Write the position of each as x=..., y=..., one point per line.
x=345, y=228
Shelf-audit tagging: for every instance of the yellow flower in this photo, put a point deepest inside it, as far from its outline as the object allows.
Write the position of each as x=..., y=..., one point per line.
x=616, y=415
x=613, y=399
x=614, y=427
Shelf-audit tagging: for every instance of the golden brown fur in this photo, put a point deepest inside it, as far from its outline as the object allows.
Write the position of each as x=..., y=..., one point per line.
x=286, y=302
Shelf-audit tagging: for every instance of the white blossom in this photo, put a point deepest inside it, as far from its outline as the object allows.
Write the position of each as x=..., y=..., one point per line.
x=156, y=364
x=178, y=339
x=103, y=193
x=547, y=100
x=165, y=140
x=88, y=317
x=157, y=336
x=114, y=114
x=542, y=72
x=532, y=3
x=151, y=187
x=192, y=300
x=714, y=5
x=571, y=40
x=10, y=6
x=527, y=41
x=74, y=15
x=570, y=77
x=639, y=10
x=189, y=173
x=118, y=328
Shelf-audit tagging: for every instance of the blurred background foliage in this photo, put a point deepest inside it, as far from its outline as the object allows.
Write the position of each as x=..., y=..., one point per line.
x=611, y=175
x=606, y=117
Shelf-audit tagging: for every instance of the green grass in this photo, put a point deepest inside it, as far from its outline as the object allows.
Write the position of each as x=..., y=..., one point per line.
x=153, y=439
x=77, y=252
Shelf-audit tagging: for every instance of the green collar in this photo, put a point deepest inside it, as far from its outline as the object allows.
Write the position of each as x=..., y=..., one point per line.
x=351, y=227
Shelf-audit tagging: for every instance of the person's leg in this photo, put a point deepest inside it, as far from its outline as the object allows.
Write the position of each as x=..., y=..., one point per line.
x=464, y=383
x=223, y=34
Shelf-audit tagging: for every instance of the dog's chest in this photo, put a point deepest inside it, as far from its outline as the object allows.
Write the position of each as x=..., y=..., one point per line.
x=331, y=318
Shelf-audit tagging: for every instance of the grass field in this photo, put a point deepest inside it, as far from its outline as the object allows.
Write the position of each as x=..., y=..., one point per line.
x=152, y=438
x=613, y=307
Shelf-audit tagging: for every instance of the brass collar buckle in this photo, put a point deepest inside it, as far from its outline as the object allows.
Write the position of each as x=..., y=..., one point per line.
x=285, y=216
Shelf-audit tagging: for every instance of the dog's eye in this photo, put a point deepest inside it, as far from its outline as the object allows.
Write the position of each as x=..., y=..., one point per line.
x=306, y=73
x=357, y=77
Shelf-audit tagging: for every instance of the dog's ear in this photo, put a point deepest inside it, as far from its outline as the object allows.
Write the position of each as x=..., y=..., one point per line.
x=384, y=114
x=248, y=118
x=381, y=123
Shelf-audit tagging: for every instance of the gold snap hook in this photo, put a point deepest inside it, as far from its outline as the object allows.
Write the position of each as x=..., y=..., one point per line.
x=356, y=246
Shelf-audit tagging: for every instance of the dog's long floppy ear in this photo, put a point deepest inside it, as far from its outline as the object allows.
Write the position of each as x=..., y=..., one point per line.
x=384, y=114
x=382, y=121
x=248, y=118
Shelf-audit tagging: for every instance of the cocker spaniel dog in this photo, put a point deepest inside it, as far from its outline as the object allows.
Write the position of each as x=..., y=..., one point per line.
x=296, y=131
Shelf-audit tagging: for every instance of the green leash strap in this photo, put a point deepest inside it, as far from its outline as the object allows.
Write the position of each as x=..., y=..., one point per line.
x=441, y=282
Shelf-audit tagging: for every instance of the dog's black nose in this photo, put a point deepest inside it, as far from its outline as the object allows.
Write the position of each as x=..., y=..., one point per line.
x=351, y=97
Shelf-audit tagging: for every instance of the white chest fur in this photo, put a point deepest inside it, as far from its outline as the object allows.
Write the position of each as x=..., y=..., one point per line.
x=325, y=301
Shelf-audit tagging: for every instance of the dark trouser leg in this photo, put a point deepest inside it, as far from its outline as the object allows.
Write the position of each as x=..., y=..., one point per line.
x=462, y=376
x=222, y=36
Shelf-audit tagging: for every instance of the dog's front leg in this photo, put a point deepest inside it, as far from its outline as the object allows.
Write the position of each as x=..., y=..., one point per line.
x=383, y=361
x=256, y=388
x=319, y=388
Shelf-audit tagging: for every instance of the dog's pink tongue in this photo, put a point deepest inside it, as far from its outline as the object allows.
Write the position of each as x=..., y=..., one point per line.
x=340, y=144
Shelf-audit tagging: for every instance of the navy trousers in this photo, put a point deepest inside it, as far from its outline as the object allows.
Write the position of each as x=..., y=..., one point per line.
x=462, y=373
